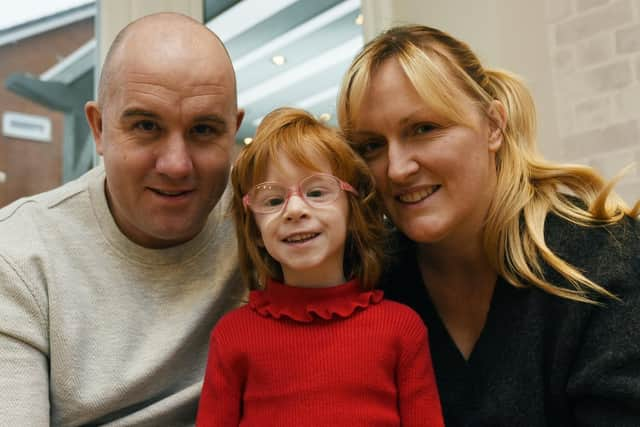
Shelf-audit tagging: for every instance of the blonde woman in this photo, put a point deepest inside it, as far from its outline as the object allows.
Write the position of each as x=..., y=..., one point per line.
x=526, y=272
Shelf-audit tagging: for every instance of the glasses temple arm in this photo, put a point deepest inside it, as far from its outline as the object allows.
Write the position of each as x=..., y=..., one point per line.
x=347, y=187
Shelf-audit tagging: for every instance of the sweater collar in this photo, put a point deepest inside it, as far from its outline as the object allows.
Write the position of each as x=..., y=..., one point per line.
x=134, y=252
x=308, y=304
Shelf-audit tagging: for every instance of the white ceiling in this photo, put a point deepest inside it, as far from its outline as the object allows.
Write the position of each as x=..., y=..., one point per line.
x=317, y=38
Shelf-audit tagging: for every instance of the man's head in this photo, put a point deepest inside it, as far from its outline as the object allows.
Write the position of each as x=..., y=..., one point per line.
x=165, y=124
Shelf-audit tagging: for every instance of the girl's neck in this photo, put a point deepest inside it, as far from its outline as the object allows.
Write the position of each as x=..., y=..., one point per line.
x=302, y=279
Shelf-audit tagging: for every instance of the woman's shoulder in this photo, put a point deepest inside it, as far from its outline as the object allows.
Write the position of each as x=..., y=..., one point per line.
x=608, y=254
x=621, y=238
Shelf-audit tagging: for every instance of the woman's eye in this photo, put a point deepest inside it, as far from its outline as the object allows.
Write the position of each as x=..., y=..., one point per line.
x=368, y=149
x=424, y=128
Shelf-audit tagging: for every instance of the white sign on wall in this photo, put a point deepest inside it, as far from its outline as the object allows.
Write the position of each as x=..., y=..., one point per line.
x=26, y=126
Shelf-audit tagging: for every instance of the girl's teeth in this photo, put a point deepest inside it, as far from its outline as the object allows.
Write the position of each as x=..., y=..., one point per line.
x=300, y=237
x=170, y=193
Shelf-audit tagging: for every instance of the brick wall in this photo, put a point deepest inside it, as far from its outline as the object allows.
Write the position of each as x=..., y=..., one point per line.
x=33, y=167
x=595, y=48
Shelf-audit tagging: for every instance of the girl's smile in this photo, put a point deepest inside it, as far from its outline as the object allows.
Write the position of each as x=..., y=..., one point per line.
x=308, y=241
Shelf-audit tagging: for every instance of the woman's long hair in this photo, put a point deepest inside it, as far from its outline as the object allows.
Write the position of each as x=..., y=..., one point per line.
x=445, y=71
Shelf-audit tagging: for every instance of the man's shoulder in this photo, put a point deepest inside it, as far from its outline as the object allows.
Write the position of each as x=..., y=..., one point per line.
x=38, y=218
x=24, y=210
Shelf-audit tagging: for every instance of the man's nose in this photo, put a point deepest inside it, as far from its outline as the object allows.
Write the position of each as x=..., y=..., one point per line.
x=174, y=158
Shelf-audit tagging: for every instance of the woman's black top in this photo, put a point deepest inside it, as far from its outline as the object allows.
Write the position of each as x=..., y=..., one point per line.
x=542, y=360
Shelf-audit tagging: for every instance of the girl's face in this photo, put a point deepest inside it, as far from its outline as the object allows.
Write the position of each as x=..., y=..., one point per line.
x=436, y=179
x=307, y=241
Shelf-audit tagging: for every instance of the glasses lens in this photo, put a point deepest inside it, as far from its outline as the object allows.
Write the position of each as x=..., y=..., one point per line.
x=267, y=198
x=320, y=189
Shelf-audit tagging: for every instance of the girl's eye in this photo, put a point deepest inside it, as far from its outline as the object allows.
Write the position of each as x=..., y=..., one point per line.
x=274, y=201
x=315, y=193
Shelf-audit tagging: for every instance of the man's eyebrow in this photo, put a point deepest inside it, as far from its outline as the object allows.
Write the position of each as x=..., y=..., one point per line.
x=212, y=118
x=136, y=112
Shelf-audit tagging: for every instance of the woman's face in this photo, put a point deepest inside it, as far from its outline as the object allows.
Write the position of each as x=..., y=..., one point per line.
x=436, y=178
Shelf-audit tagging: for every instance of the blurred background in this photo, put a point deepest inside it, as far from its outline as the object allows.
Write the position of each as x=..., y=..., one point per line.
x=581, y=59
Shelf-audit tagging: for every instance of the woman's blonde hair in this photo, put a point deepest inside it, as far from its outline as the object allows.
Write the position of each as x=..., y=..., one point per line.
x=442, y=68
x=299, y=136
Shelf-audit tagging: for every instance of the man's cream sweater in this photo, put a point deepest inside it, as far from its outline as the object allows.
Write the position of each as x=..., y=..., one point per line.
x=95, y=329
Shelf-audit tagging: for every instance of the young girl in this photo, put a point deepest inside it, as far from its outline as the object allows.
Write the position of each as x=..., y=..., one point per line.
x=316, y=345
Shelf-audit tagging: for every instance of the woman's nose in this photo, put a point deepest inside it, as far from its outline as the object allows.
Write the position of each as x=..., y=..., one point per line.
x=401, y=161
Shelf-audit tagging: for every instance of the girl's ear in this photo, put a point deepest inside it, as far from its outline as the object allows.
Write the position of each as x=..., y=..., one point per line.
x=497, y=124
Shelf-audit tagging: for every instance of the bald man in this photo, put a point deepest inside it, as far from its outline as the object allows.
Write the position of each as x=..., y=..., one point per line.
x=110, y=285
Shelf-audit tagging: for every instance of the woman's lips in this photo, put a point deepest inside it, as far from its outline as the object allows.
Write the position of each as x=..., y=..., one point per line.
x=418, y=195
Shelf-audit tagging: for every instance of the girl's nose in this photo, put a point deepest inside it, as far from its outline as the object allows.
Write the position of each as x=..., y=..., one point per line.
x=296, y=208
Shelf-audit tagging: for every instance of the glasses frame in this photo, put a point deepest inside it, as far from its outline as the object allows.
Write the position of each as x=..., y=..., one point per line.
x=344, y=186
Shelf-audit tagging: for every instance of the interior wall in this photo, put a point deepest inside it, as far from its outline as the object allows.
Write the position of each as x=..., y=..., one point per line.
x=509, y=34
x=595, y=52
x=581, y=59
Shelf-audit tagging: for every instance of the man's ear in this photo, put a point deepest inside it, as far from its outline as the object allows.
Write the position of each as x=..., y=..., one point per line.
x=94, y=118
x=497, y=124
x=239, y=118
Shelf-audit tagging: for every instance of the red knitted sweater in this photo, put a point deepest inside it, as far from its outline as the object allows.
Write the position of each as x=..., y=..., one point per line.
x=319, y=357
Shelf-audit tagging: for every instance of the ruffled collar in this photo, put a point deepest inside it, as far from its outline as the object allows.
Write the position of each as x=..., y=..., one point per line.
x=308, y=304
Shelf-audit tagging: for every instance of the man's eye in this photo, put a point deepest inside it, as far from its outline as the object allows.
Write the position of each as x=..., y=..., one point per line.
x=208, y=131
x=146, y=126
x=203, y=130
